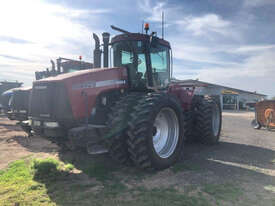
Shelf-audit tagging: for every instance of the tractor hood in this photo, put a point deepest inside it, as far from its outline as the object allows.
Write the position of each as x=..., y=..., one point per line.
x=85, y=73
x=68, y=97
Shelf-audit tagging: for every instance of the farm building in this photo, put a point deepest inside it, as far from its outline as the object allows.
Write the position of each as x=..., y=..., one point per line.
x=230, y=98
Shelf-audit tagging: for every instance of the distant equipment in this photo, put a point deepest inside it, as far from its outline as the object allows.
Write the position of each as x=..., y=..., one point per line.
x=264, y=115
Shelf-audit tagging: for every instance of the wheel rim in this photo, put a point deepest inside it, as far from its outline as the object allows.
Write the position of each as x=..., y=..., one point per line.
x=216, y=120
x=165, y=132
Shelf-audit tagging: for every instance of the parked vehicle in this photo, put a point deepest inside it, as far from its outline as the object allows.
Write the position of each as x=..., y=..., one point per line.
x=264, y=115
x=131, y=109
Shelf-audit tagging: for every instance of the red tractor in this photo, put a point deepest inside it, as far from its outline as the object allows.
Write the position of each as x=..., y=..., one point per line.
x=132, y=108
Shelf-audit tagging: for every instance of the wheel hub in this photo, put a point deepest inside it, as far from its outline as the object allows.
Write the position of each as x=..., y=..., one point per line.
x=165, y=132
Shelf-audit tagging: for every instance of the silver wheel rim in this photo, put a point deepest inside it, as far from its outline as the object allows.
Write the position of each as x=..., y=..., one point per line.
x=215, y=120
x=166, y=132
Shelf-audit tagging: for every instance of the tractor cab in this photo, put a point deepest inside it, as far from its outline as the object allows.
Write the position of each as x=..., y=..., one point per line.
x=146, y=57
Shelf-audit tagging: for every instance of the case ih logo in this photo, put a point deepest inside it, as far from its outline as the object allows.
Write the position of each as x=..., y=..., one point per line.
x=40, y=87
x=96, y=84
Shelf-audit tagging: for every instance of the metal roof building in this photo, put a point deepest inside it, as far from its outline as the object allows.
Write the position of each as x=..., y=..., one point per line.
x=230, y=98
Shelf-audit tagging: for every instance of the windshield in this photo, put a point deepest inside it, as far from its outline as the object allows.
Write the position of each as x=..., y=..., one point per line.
x=131, y=54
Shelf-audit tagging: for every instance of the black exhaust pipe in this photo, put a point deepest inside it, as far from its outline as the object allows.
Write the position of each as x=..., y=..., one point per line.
x=53, y=71
x=53, y=65
x=58, y=62
x=97, y=52
x=106, y=39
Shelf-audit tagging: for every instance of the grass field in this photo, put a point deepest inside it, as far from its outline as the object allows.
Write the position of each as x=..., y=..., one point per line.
x=52, y=182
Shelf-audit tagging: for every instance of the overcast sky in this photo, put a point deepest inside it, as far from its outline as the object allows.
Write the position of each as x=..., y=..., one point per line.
x=225, y=42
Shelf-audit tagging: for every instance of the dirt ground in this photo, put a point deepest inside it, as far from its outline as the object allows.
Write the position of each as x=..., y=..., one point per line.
x=244, y=157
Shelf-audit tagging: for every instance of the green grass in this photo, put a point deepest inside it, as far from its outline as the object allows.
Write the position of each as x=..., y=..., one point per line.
x=51, y=182
x=69, y=167
x=17, y=186
x=270, y=188
x=227, y=192
x=168, y=196
x=47, y=182
x=179, y=167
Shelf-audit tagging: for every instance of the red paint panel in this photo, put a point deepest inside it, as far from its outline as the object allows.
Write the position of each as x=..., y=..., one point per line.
x=184, y=95
x=75, y=94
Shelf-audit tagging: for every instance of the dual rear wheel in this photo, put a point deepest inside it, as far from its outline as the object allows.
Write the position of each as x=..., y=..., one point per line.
x=156, y=128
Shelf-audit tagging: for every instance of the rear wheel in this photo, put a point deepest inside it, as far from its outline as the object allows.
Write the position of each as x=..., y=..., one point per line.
x=156, y=134
x=208, y=120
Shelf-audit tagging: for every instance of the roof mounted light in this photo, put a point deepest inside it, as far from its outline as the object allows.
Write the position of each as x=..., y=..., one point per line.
x=146, y=27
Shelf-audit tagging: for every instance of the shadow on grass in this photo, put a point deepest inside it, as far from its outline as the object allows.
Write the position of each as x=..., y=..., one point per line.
x=103, y=182
x=62, y=190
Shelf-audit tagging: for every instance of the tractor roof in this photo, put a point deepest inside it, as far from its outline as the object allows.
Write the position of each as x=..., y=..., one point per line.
x=137, y=37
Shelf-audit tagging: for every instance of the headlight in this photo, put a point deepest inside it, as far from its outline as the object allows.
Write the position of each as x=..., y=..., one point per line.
x=51, y=124
x=36, y=123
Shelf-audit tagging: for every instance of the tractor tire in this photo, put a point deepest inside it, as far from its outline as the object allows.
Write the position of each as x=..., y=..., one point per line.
x=156, y=134
x=192, y=134
x=117, y=128
x=208, y=120
x=189, y=126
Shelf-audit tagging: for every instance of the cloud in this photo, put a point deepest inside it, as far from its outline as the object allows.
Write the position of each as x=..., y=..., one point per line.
x=37, y=31
x=205, y=24
x=208, y=24
x=14, y=40
x=15, y=58
x=256, y=3
x=255, y=73
x=253, y=48
x=153, y=11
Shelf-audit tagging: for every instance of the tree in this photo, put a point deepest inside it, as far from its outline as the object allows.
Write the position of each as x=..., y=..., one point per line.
x=273, y=98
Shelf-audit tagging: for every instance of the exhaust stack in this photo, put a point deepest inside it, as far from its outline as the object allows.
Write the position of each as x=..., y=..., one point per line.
x=58, y=62
x=97, y=52
x=106, y=39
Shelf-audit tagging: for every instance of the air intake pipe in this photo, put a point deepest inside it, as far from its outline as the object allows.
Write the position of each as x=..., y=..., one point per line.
x=106, y=39
x=53, y=65
x=97, y=52
x=58, y=62
x=53, y=71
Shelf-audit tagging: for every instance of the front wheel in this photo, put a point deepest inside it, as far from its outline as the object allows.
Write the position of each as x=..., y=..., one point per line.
x=156, y=134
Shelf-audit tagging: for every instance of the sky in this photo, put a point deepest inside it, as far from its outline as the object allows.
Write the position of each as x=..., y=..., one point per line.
x=231, y=43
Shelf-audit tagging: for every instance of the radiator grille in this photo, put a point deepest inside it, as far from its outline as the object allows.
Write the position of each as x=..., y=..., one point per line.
x=42, y=100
